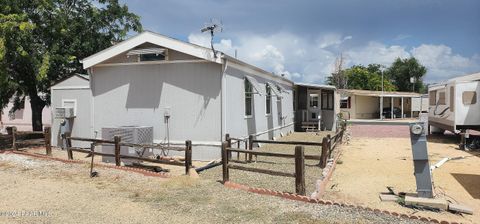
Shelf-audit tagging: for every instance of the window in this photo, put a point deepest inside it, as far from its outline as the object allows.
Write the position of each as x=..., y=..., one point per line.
x=314, y=100
x=70, y=104
x=432, y=98
x=152, y=57
x=268, y=99
x=279, y=96
x=314, y=115
x=345, y=103
x=452, y=98
x=248, y=98
x=327, y=100
x=469, y=97
x=441, y=98
x=294, y=101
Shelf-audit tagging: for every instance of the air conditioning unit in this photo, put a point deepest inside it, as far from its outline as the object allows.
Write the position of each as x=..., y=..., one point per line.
x=64, y=112
x=128, y=134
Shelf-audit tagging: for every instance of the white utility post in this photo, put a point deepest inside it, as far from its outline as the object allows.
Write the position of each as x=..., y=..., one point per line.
x=391, y=107
x=381, y=101
x=402, y=108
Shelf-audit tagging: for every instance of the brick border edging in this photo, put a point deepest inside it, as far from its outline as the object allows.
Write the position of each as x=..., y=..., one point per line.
x=323, y=183
x=302, y=198
x=124, y=168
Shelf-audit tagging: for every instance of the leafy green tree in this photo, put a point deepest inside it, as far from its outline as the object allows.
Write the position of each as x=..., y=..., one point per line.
x=42, y=42
x=402, y=70
x=366, y=78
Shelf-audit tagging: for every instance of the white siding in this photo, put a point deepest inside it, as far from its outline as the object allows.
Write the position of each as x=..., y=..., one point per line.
x=260, y=124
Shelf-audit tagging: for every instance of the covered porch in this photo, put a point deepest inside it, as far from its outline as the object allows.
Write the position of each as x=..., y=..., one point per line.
x=366, y=104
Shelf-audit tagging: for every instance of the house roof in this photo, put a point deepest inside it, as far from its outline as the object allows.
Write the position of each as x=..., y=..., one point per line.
x=154, y=38
x=360, y=92
x=171, y=43
x=82, y=76
x=315, y=85
x=471, y=77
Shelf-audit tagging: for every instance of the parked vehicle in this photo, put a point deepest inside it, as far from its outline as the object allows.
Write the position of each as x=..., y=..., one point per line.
x=387, y=112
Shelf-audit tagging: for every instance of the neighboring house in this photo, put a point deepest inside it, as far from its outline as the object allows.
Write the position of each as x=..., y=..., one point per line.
x=181, y=90
x=22, y=118
x=367, y=104
x=315, y=104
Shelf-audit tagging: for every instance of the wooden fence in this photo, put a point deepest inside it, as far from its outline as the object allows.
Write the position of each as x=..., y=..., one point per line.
x=44, y=138
x=299, y=157
x=117, y=143
x=327, y=145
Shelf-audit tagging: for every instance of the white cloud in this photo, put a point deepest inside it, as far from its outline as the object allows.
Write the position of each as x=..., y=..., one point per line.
x=312, y=59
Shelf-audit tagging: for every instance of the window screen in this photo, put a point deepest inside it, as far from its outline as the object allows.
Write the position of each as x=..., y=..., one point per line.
x=452, y=98
x=441, y=98
x=432, y=98
x=268, y=99
x=469, y=97
x=248, y=98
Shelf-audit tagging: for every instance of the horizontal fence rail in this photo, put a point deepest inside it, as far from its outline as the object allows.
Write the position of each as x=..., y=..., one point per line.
x=299, y=157
x=117, y=143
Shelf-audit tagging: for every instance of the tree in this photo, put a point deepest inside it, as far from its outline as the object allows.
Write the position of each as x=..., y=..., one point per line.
x=366, y=78
x=402, y=70
x=42, y=42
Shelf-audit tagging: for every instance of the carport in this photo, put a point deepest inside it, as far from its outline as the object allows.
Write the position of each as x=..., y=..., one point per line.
x=368, y=104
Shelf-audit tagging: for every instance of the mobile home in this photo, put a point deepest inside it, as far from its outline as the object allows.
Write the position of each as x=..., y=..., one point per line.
x=182, y=91
x=454, y=106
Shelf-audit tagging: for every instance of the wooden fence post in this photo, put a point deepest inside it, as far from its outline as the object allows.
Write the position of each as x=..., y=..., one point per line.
x=117, y=140
x=323, y=156
x=48, y=136
x=188, y=156
x=238, y=147
x=229, y=140
x=329, y=145
x=250, y=147
x=68, y=143
x=226, y=175
x=14, y=138
x=299, y=170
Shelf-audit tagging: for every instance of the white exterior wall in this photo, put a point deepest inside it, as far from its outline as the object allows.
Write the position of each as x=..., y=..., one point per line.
x=73, y=88
x=139, y=95
x=259, y=124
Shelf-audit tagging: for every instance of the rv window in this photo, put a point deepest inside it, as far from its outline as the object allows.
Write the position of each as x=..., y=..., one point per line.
x=441, y=98
x=452, y=98
x=432, y=98
x=248, y=98
x=469, y=97
x=268, y=99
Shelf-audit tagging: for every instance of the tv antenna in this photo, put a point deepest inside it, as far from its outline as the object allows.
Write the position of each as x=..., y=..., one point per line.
x=214, y=26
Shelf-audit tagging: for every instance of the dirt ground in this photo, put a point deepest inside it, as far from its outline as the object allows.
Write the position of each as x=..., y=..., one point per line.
x=45, y=191
x=369, y=164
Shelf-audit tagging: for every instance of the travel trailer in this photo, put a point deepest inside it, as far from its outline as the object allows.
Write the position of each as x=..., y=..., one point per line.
x=454, y=106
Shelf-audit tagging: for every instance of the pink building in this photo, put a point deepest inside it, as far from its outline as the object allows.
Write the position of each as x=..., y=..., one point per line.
x=22, y=119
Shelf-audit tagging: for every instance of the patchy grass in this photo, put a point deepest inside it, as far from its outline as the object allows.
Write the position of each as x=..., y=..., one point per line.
x=286, y=184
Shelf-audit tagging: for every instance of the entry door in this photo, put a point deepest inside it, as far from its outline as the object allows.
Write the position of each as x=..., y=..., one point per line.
x=314, y=109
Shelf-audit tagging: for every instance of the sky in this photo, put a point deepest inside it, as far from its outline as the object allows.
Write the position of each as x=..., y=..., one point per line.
x=302, y=39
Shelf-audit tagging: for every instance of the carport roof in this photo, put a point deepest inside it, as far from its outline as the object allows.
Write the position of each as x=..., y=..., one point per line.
x=360, y=92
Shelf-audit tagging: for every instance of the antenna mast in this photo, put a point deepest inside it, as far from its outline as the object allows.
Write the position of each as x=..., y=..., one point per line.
x=212, y=27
